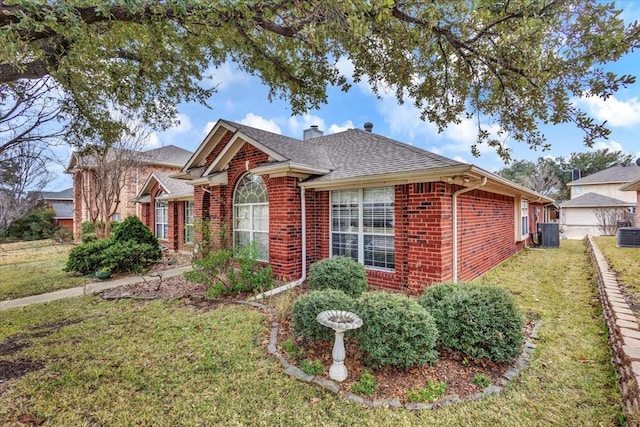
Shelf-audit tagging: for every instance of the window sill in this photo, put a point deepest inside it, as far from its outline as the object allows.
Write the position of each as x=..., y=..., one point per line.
x=380, y=269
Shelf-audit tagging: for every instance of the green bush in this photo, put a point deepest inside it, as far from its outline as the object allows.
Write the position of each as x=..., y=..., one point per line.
x=36, y=225
x=483, y=322
x=88, y=237
x=226, y=273
x=396, y=331
x=251, y=275
x=308, y=306
x=90, y=257
x=87, y=258
x=87, y=227
x=341, y=273
x=129, y=256
x=63, y=235
x=132, y=229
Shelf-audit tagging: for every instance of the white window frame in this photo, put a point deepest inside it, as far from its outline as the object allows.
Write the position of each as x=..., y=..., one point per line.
x=524, y=219
x=263, y=252
x=189, y=221
x=162, y=218
x=358, y=231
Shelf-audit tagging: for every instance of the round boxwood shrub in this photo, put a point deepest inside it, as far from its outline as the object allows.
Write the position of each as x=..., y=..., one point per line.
x=395, y=331
x=341, y=273
x=307, y=307
x=483, y=322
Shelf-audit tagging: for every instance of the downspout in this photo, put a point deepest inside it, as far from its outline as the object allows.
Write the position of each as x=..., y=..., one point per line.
x=454, y=203
x=303, y=277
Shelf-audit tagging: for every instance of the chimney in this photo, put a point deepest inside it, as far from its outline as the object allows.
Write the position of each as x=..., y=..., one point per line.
x=312, y=132
x=368, y=126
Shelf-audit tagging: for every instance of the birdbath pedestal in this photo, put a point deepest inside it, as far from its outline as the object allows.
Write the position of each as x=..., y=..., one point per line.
x=339, y=321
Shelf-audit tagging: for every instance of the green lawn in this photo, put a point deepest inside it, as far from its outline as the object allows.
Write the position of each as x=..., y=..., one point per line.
x=624, y=261
x=32, y=268
x=164, y=363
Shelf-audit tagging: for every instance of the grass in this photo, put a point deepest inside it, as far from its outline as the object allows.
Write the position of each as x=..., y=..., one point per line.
x=163, y=363
x=624, y=261
x=31, y=268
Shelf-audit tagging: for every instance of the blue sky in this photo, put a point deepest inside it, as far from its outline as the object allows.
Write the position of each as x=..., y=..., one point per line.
x=242, y=98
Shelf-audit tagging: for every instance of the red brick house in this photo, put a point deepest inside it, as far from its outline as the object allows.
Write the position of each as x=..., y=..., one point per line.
x=163, y=159
x=410, y=216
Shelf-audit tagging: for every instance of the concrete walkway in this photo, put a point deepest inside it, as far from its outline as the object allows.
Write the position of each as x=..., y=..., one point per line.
x=89, y=288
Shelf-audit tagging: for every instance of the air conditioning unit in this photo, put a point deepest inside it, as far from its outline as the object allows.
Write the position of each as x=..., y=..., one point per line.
x=629, y=237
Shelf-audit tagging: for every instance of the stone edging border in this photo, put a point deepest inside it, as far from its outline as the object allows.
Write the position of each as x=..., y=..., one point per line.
x=521, y=363
x=624, y=333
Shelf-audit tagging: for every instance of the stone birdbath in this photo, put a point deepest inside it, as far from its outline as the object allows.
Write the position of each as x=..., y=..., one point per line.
x=340, y=321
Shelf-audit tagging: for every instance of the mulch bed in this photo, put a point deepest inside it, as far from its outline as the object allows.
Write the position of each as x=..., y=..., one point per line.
x=451, y=368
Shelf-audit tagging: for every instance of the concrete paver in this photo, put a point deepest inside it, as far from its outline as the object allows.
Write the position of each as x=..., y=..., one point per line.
x=90, y=288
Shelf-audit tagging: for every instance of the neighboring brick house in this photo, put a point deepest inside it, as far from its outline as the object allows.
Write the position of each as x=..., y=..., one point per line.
x=601, y=191
x=62, y=204
x=163, y=159
x=410, y=216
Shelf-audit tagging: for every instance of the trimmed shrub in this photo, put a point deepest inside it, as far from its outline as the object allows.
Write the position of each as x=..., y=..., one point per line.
x=396, y=331
x=339, y=272
x=129, y=256
x=132, y=229
x=88, y=257
x=483, y=322
x=308, y=306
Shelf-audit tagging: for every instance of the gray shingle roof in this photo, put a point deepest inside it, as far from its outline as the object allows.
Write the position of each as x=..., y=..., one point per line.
x=613, y=174
x=169, y=154
x=357, y=153
x=66, y=194
x=175, y=187
x=350, y=154
x=308, y=153
x=595, y=200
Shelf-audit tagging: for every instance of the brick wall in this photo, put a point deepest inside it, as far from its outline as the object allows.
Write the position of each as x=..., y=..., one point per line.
x=428, y=222
x=423, y=231
x=215, y=205
x=486, y=234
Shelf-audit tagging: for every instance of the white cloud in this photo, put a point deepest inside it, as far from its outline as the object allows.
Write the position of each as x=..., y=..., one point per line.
x=261, y=123
x=208, y=127
x=184, y=124
x=225, y=75
x=335, y=128
x=297, y=124
x=152, y=141
x=614, y=111
x=610, y=145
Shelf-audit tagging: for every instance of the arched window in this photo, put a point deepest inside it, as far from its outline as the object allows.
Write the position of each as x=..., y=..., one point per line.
x=251, y=214
x=162, y=218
